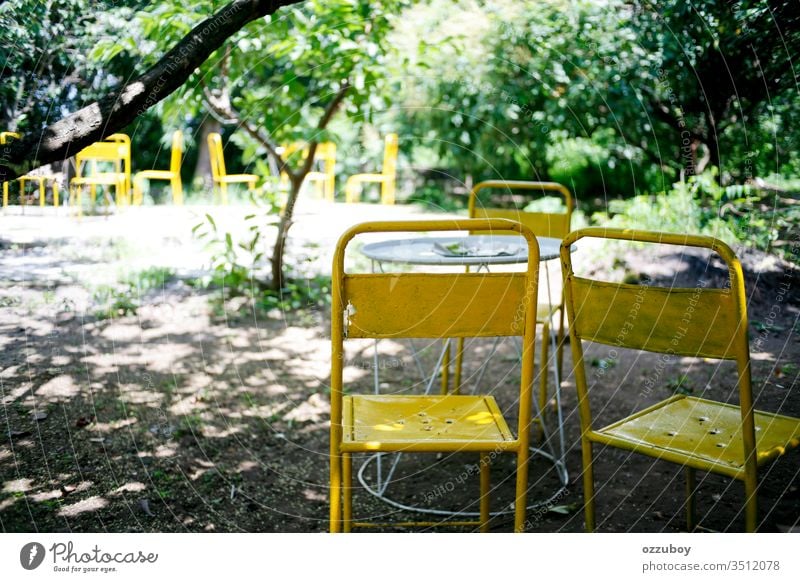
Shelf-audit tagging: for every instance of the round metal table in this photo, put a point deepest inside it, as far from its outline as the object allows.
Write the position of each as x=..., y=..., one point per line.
x=479, y=251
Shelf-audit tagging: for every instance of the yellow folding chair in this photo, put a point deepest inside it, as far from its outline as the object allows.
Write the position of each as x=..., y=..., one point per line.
x=324, y=179
x=386, y=178
x=550, y=224
x=173, y=175
x=423, y=305
x=41, y=179
x=218, y=173
x=704, y=322
x=116, y=153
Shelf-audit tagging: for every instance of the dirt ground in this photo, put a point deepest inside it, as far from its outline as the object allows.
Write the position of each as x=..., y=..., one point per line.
x=185, y=418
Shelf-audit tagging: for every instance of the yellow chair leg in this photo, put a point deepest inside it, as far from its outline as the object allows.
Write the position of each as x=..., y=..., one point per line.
x=751, y=504
x=543, y=374
x=137, y=191
x=336, y=493
x=691, y=499
x=485, y=465
x=5, y=194
x=55, y=194
x=446, y=367
x=350, y=193
x=521, y=498
x=223, y=190
x=560, y=347
x=543, y=367
x=347, y=491
x=588, y=484
x=177, y=191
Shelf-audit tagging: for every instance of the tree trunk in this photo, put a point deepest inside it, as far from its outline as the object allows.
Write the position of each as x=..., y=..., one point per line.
x=202, y=170
x=119, y=108
x=296, y=182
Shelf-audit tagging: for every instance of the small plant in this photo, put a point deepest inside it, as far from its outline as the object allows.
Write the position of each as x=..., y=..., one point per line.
x=124, y=298
x=114, y=302
x=235, y=265
x=680, y=385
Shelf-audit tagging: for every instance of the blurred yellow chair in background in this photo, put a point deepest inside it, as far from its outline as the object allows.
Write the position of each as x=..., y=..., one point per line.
x=41, y=179
x=89, y=173
x=386, y=178
x=218, y=173
x=324, y=179
x=173, y=175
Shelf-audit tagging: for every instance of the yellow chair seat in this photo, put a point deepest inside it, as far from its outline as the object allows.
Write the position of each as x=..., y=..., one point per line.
x=104, y=178
x=238, y=178
x=156, y=174
x=688, y=430
x=419, y=423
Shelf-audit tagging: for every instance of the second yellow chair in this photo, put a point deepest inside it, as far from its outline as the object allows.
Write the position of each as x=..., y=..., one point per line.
x=218, y=173
x=386, y=178
x=173, y=175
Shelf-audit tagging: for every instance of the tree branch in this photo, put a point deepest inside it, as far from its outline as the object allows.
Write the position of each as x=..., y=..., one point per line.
x=119, y=108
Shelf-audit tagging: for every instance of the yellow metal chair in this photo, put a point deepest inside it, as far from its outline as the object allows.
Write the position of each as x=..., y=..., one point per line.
x=218, y=173
x=173, y=175
x=422, y=305
x=550, y=224
x=707, y=322
x=325, y=179
x=116, y=153
x=386, y=178
x=41, y=179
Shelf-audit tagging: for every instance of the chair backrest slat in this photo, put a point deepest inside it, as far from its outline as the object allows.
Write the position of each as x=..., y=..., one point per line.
x=681, y=321
x=412, y=305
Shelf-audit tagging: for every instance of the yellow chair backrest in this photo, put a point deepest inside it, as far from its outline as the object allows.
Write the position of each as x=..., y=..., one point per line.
x=101, y=151
x=390, y=148
x=693, y=322
x=432, y=305
x=550, y=224
x=176, y=155
x=216, y=155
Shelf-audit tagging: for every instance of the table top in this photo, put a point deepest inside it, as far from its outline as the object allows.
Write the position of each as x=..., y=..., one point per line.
x=477, y=249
